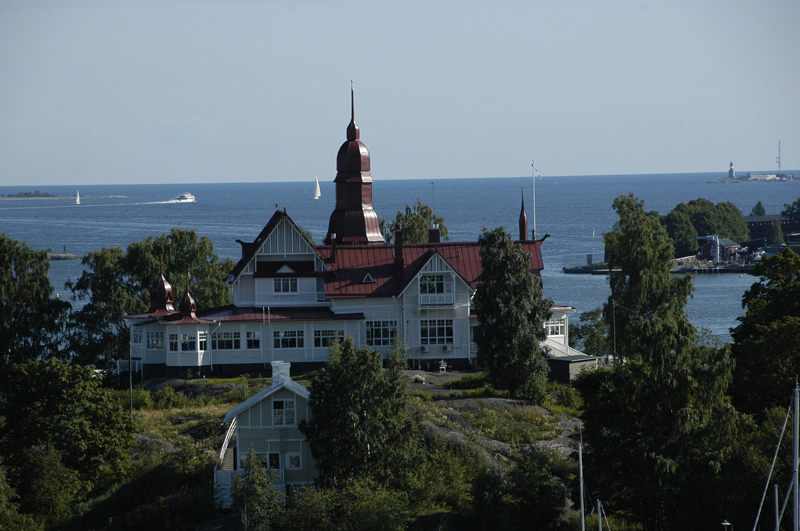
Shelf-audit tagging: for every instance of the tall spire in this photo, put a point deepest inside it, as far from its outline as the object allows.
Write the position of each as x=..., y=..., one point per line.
x=523, y=220
x=352, y=129
x=353, y=221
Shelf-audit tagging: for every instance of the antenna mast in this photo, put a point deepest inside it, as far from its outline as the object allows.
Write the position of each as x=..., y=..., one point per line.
x=779, y=157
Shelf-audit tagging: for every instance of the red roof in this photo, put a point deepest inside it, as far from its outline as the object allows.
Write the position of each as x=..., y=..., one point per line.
x=353, y=263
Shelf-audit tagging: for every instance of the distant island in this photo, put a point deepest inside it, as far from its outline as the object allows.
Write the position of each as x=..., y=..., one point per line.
x=755, y=178
x=45, y=195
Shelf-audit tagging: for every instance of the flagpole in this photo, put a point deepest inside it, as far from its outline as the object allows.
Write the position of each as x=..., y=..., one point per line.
x=533, y=173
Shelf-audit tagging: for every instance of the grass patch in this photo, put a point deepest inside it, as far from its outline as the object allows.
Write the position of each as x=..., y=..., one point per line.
x=515, y=427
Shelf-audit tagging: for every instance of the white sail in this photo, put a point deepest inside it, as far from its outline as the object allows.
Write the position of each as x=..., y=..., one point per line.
x=317, y=193
x=77, y=198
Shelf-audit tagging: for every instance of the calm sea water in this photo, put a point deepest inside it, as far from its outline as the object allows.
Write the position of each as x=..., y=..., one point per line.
x=574, y=211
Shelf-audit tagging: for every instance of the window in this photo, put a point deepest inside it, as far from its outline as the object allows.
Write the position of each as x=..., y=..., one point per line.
x=294, y=461
x=188, y=342
x=137, y=334
x=381, y=333
x=225, y=341
x=173, y=342
x=285, y=285
x=288, y=339
x=323, y=338
x=283, y=413
x=253, y=340
x=155, y=340
x=436, y=331
x=555, y=327
x=202, y=341
x=430, y=284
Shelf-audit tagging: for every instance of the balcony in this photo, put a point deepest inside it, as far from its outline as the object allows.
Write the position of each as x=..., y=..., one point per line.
x=436, y=299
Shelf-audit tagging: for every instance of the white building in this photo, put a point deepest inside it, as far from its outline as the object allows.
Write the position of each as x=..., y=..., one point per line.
x=291, y=298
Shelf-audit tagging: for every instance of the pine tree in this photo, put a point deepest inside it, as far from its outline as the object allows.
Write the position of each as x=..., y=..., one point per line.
x=758, y=210
x=511, y=317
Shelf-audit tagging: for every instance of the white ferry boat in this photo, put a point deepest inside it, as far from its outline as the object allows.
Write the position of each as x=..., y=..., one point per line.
x=185, y=197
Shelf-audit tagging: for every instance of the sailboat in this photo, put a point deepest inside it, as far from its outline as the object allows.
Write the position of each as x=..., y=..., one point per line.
x=317, y=193
x=77, y=198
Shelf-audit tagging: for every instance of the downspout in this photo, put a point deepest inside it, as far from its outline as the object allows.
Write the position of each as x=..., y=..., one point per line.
x=208, y=340
x=261, y=343
x=271, y=343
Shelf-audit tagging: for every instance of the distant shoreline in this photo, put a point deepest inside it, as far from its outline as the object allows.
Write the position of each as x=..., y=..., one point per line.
x=63, y=197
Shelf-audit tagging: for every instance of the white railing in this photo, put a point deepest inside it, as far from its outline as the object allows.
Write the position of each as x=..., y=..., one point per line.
x=228, y=436
x=558, y=349
x=437, y=298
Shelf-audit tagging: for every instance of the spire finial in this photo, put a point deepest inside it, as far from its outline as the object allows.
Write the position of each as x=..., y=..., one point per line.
x=352, y=129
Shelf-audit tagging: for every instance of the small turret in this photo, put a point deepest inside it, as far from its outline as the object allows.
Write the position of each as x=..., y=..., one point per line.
x=523, y=220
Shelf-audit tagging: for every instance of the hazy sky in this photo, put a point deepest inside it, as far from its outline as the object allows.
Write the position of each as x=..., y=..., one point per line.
x=171, y=91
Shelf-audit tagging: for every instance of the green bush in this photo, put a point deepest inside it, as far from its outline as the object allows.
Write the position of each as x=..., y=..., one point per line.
x=167, y=398
x=468, y=381
x=517, y=426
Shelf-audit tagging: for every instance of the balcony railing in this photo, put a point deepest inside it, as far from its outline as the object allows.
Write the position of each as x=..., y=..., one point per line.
x=436, y=298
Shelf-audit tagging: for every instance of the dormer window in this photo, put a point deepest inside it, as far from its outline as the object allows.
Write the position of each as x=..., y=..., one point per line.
x=285, y=285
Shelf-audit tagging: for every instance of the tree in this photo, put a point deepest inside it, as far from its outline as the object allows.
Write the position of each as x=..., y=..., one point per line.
x=511, y=317
x=360, y=425
x=116, y=283
x=774, y=233
x=723, y=219
x=645, y=312
x=592, y=335
x=31, y=318
x=254, y=492
x=682, y=232
x=766, y=343
x=792, y=211
x=659, y=427
x=52, y=403
x=758, y=210
x=415, y=222
x=10, y=517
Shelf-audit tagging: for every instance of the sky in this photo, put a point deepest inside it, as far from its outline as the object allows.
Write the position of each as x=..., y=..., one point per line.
x=180, y=91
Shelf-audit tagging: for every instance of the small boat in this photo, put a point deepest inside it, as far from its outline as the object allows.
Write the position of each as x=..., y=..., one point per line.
x=185, y=197
x=317, y=193
x=77, y=198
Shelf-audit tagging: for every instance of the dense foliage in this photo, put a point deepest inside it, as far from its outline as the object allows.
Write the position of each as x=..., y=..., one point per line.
x=31, y=317
x=360, y=425
x=511, y=317
x=659, y=427
x=767, y=341
x=416, y=223
x=701, y=217
x=116, y=283
x=645, y=312
x=758, y=210
x=792, y=210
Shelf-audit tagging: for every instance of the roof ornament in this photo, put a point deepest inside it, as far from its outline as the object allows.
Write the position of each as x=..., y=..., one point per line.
x=352, y=128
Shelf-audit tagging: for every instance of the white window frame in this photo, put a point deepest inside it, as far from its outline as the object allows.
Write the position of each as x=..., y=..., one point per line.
x=253, y=339
x=189, y=341
x=137, y=335
x=155, y=340
x=442, y=331
x=202, y=341
x=222, y=340
x=555, y=327
x=323, y=338
x=284, y=286
x=280, y=416
x=380, y=333
x=288, y=339
x=173, y=342
x=435, y=284
x=289, y=456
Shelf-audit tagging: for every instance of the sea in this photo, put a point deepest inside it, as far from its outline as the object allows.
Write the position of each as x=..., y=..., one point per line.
x=574, y=211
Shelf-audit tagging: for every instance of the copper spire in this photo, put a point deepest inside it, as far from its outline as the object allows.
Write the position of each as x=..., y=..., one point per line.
x=353, y=221
x=523, y=220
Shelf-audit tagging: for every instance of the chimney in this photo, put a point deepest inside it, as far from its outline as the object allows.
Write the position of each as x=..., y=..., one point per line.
x=399, y=262
x=433, y=233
